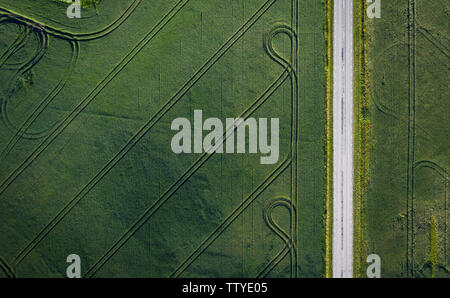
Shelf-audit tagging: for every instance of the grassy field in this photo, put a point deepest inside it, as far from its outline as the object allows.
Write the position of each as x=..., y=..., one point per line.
x=84, y=3
x=402, y=186
x=86, y=163
x=329, y=134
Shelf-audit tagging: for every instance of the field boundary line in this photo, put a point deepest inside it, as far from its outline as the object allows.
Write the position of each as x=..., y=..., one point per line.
x=411, y=139
x=329, y=140
x=294, y=139
x=361, y=134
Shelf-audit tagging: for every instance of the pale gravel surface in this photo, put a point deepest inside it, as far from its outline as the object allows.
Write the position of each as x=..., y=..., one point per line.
x=343, y=139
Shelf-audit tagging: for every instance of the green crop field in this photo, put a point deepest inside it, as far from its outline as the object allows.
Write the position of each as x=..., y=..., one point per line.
x=404, y=218
x=86, y=165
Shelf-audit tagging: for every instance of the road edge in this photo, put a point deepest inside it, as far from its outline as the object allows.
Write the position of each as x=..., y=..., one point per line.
x=361, y=136
x=329, y=141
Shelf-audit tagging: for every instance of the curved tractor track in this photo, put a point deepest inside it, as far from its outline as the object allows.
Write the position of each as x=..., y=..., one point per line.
x=289, y=72
x=64, y=34
x=27, y=27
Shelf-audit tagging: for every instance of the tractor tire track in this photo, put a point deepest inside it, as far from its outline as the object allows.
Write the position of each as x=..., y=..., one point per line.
x=21, y=132
x=186, y=176
x=411, y=140
x=91, y=96
x=144, y=129
x=7, y=269
x=290, y=246
x=71, y=36
x=232, y=217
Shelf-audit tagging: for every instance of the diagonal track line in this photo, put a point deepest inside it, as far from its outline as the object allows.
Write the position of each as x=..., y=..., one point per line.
x=185, y=177
x=6, y=268
x=232, y=217
x=92, y=95
x=431, y=38
x=274, y=262
x=145, y=128
x=72, y=36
